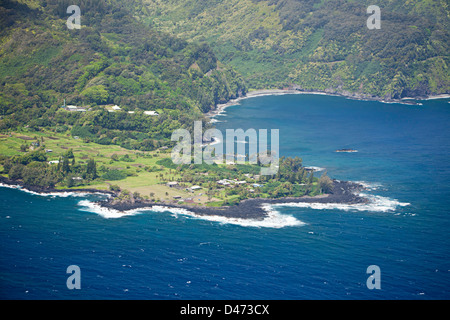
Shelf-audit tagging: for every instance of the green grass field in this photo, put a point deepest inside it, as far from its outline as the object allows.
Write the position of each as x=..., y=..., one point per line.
x=150, y=184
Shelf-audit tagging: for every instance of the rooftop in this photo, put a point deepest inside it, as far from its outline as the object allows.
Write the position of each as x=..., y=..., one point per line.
x=151, y=113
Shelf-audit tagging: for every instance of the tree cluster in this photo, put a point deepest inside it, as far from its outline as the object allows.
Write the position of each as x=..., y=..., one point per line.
x=33, y=169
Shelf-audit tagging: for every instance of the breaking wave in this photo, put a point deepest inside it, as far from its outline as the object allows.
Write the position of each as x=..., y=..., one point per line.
x=370, y=186
x=376, y=204
x=274, y=218
x=62, y=194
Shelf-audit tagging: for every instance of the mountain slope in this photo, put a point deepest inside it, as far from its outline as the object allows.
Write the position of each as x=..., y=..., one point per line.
x=315, y=45
x=112, y=59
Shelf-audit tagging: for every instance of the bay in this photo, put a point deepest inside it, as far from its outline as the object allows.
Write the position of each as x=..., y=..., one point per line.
x=403, y=153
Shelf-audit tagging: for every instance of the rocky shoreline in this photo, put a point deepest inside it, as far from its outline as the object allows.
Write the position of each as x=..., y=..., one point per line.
x=297, y=90
x=343, y=192
x=44, y=190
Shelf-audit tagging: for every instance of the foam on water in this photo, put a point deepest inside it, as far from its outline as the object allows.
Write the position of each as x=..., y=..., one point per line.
x=62, y=194
x=274, y=218
x=376, y=204
x=370, y=185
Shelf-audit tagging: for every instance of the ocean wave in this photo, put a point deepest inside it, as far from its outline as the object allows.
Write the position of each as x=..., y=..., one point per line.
x=370, y=185
x=274, y=218
x=106, y=213
x=10, y=186
x=62, y=194
x=375, y=204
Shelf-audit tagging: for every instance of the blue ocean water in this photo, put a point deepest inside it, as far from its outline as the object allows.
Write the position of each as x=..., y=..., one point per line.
x=403, y=156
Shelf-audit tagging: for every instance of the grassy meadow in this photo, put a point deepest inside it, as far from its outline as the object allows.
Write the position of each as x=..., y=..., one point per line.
x=144, y=175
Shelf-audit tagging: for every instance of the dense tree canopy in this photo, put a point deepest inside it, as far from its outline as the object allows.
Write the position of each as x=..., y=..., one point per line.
x=112, y=59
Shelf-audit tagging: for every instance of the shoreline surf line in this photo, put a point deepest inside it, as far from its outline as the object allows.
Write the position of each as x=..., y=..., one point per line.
x=220, y=108
x=249, y=213
x=274, y=219
x=51, y=192
x=343, y=192
x=375, y=204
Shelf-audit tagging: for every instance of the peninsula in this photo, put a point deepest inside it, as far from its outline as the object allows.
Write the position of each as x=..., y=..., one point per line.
x=47, y=161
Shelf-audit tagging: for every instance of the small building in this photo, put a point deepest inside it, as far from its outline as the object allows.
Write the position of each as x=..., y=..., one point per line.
x=151, y=113
x=116, y=107
x=241, y=182
x=53, y=162
x=257, y=185
x=177, y=197
x=195, y=188
x=172, y=184
x=74, y=108
x=223, y=182
x=77, y=178
x=48, y=150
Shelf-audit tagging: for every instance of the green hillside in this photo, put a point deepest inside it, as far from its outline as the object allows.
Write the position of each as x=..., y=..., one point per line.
x=112, y=60
x=318, y=45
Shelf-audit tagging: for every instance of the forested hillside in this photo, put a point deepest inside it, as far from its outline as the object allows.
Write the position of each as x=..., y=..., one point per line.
x=182, y=57
x=318, y=45
x=112, y=59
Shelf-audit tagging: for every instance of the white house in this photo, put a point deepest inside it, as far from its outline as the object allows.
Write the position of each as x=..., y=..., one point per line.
x=172, y=184
x=195, y=188
x=116, y=107
x=223, y=182
x=151, y=113
x=75, y=108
